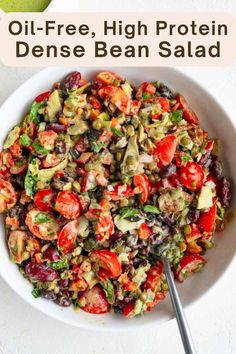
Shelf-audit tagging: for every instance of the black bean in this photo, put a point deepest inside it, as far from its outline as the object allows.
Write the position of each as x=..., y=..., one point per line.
x=63, y=301
x=131, y=240
x=193, y=215
x=224, y=192
x=57, y=127
x=92, y=89
x=60, y=147
x=67, y=177
x=67, y=293
x=125, y=267
x=74, y=153
x=165, y=91
x=71, y=81
x=18, y=182
x=64, y=283
x=15, y=211
x=216, y=166
x=168, y=171
x=144, y=252
x=49, y=295
x=116, y=236
x=117, y=309
x=136, y=262
x=92, y=134
x=134, y=218
x=58, y=184
x=166, y=230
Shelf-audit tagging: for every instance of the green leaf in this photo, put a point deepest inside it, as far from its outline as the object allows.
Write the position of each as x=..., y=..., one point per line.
x=96, y=147
x=39, y=149
x=145, y=95
x=34, y=116
x=109, y=291
x=41, y=218
x=24, y=140
x=177, y=115
x=35, y=292
x=185, y=158
x=128, y=212
x=117, y=132
x=30, y=183
x=58, y=265
x=151, y=209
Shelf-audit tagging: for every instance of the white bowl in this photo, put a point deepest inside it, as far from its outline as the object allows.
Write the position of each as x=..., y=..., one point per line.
x=212, y=117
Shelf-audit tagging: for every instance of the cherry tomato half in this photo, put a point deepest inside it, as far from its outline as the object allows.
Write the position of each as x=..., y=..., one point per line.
x=67, y=236
x=43, y=226
x=143, y=183
x=105, y=226
x=189, y=264
x=206, y=221
x=67, y=204
x=108, y=78
x=17, y=245
x=128, y=309
x=165, y=150
x=194, y=234
x=191, y=175
x=153, y=277
x=144, y=232
x=188, y=115
x=117, y=97
x=119, y=191
x=43, y=96
x=94, y=301
x=145, y=87
x=158, y=297
x=108, y=260
x=44, y=199
x=7, y=195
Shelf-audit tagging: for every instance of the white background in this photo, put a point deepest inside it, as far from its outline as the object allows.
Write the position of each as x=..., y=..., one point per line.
x=212, y=320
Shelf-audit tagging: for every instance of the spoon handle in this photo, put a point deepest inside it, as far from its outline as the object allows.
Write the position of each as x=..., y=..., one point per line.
x=179, y=312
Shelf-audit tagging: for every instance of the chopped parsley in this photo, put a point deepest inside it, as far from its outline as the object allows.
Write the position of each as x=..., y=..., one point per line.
x=96, y=147
x=151, y=209
x=176, y=116
x=34, y=112
x=24, y=140
x=58, y=265
x=39, y=149
x=41, y=218
x=36, y=293
x=128, y=212
x=117, y=132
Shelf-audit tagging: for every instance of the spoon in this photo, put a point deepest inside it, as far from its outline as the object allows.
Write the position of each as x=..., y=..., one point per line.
x=178, y=309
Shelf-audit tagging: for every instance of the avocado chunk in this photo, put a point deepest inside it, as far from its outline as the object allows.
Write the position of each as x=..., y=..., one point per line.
x=205, y=199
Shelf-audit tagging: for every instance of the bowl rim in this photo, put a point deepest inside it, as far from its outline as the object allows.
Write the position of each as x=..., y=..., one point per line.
x=93, y=326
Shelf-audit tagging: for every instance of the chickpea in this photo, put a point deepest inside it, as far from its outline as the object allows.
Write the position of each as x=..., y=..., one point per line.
x=97, y=124
x=86, y=266
x=124, y=202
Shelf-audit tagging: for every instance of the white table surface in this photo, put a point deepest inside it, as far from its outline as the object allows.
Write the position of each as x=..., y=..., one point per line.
x=23, y=330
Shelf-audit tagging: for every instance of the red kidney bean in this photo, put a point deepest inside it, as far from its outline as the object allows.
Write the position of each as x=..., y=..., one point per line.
x=63, y=301
x=51, y=254
x=71, y=81
x=40, y=272
x=56, y=127
x=216, y=167
x=224, y=192
x=49, y=295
